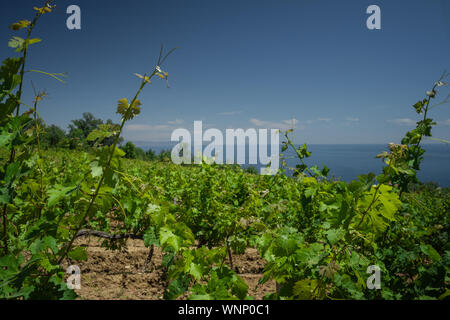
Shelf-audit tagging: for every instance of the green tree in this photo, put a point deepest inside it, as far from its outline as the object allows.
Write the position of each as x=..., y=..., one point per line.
x=79, y=129
x=140, y=154
x=84, y=125
x=110, y=140
x=251, y=170
x=76, y=138
x=150, y=155
x=130, y=150
x=164, y=155
x=53, y=136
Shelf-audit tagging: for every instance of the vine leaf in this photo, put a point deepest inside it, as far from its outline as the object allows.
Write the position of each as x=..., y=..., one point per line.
x=430, y=251
x=78, y=254
x=58, y=193
x=128, y=112
x=20, y=25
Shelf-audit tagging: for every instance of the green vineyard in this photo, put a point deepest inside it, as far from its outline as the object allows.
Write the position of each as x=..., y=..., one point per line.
x=307, y=236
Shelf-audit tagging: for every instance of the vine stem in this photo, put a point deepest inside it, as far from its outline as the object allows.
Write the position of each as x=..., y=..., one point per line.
x=149, y=258
x=97, y=190
x=41, y=171
x=24, y=57
x=230, y=257
x=374, y=199
x=416, y=150
x=424, y=118
x=22, y=70
x=5, y=229
x=19, y=96
x=301, y=159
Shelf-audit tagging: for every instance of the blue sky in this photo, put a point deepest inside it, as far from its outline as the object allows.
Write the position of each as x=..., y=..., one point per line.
x=244, y=64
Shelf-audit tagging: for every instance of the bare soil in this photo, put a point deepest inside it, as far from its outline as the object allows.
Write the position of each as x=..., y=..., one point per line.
x=119, y=274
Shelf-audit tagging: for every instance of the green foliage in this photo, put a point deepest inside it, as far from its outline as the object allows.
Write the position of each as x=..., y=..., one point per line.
x=9, y=80
x=43, y=206
x=84, y=126
x=251, y=170
x=128, y=111
x=317, y=236
x=150, y=155
x=404, y=160
x=130, y=150
x=53, y=136
x=20, y=25
x=164, y=155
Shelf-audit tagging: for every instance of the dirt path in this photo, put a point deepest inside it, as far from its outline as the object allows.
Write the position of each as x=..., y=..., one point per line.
x=110, y=275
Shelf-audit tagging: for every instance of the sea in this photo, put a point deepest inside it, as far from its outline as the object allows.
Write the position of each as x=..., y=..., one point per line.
x=347, y=161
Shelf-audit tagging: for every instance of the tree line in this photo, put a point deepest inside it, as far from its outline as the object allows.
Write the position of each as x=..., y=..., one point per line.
x=53, y=136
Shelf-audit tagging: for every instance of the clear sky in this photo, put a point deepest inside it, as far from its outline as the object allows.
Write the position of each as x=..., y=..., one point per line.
x=244, y=64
